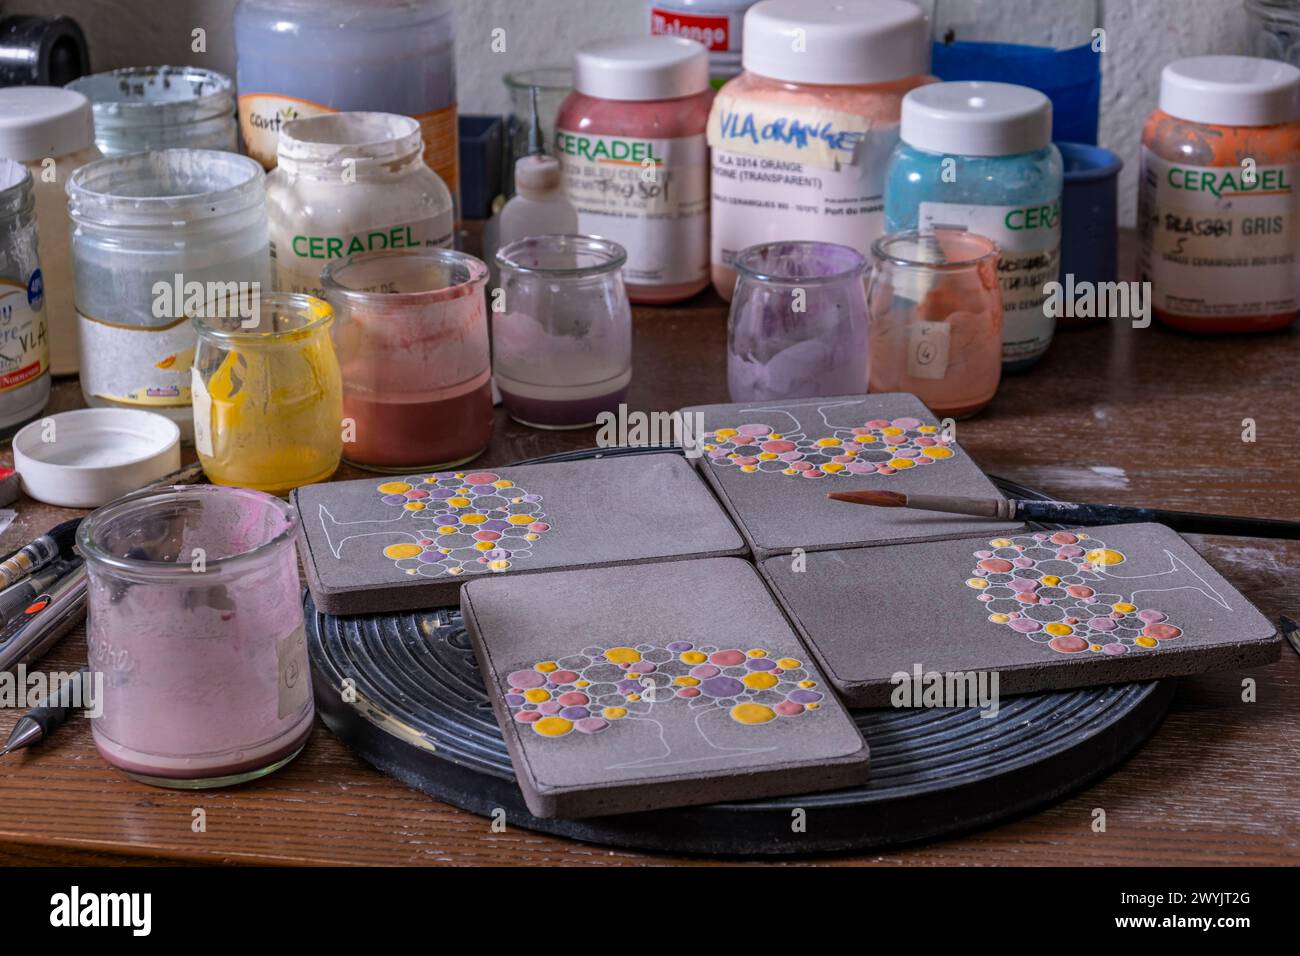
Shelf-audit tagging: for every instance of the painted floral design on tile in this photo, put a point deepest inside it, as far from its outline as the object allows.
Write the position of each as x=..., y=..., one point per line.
x=602, y=687
x=449, y=524
x=880, y=446
x=1067, y=590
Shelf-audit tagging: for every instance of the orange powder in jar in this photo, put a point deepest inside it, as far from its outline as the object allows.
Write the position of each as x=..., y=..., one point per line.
x=1218, y=220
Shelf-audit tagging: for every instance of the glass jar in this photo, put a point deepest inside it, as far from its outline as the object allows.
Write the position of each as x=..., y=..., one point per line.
x=349, y=183
x=161, y=107
x=1218, y=220
x=798, y=323
x=51, y=131
x=562, y=349
x=718, y=24
x=936, y=319
x=631, y=143
x=417, y=375
x=1276, y=29
x=980, y=156
x=268, y=405
x=195, y=621
x=801, y=138
x=25, y=355
x=157, y=235
x=301, y=58
x=1052, y=47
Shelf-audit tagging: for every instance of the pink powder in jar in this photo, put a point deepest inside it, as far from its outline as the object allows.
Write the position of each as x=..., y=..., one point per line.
x=632, y=146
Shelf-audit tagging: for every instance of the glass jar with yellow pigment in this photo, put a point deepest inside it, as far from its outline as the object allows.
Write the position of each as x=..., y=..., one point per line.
x=268, y=396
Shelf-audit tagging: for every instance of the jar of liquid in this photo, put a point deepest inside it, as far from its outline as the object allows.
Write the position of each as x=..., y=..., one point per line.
x=631, y=139
x=195, y=621
x=268, y=406
x=798, y=323
x=979, y=156
x=25, y=354
x=936, y=319
x=51, y=132
x=417, y=378
x=161, y=107
x=301, y=58
x=1054, y=48
x=718, y=24
x=157, y=235
x=1217, y=207
x=346, y=184
x=801, y=138
x=562, y=350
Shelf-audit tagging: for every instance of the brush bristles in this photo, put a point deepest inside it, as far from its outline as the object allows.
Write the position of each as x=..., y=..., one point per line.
x=881, y=499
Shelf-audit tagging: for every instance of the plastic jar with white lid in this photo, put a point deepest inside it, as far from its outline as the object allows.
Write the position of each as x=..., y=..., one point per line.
x=979, y=157
x=51, y=131
x=1218, y=214
x=718, y=24
x=631, y=140
x=24, y=348
x=802, y=138
x=157, y=235
x=348, y=184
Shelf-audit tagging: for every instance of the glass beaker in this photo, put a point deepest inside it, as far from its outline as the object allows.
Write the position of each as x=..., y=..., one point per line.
x=798, y=324
x=268, y=402
x=562, y=348
x=196, y=623
x=936, y=319
x=412, y=331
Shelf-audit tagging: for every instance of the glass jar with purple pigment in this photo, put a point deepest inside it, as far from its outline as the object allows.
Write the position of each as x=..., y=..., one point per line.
x=798, y=325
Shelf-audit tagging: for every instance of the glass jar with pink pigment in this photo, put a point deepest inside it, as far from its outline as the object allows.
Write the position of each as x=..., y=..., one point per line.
x=801, y=140
x=195, y=621
x=631, y=142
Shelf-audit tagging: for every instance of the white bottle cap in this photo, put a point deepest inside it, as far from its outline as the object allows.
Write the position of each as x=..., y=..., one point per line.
x=849, y=42
x=641, y=68
x=41, y=121
x=971, y=118
x=537, y=173
x=1231, y=90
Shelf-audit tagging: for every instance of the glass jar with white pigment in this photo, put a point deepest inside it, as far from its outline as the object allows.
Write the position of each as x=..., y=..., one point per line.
x=156, y=236
x=161, y=107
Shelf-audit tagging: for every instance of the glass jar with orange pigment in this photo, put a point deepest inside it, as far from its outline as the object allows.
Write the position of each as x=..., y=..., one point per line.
x=1218, y=220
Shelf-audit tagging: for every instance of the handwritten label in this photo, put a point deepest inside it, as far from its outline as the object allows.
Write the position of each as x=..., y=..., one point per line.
x=828, y=139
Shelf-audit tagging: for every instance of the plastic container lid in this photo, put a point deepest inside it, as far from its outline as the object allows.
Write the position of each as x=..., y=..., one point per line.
x=537, y=173
x=641, y=68
x=1231, y=90
x=845, y=42
x=972, y=118
x=37, y=122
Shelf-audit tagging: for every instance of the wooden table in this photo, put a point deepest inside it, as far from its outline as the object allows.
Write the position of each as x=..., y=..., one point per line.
x=1113, y=413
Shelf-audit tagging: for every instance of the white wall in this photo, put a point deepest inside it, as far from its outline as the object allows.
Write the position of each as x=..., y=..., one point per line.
x=1142, y=35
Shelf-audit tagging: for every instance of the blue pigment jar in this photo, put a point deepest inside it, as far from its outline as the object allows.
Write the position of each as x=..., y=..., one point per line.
x=979, y=156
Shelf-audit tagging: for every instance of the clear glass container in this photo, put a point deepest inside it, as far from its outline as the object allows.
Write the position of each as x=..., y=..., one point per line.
x=268, y=398
x=1276, y=29
x=153, y=231
x=195, y=621
x=1053, y=47
x=412, y=331
x=936, y=319
x=798, y=323
x=350, y=183
x=161, y=107
x=24, y=345
x=562, y=349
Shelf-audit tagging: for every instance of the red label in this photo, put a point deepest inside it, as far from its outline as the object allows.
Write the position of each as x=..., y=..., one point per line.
x=713, y=32
x=18, y=376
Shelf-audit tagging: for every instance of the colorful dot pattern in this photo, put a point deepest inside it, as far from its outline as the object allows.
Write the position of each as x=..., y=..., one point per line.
x=590, y=692
x=1048, y=586
x=463, y=523
x=880, y=446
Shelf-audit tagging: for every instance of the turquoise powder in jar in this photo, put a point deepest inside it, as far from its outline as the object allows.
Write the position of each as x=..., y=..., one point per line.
x=979, y=157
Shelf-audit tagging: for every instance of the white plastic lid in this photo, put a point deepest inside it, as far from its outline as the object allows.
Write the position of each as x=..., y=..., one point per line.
x=537, y=173
x=1231, y=90
x=641, y=68
x=846, y=42
x=42, y=121
x=972, y=118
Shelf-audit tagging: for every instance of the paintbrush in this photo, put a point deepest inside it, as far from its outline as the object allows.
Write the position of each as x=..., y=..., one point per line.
x=44, y=550
x=1074, y=514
